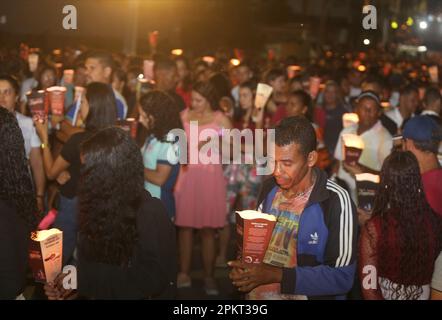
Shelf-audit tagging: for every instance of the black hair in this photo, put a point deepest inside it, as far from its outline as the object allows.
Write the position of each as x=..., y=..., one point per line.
x=208, y=91
x=238, y=113
x=306, y=100
x=110, y=192
x=297, y=78
x=165, y=111
x=41, y=69
x=409, y=89
x=102, y=106
x=121, y=75
x=432, y=94
x=247, y=65
x=374, y=79
x=104, y=57
x=12, y=81
x=221, y=84
x=369, y=94
x=163, y=63
x=250, y=84
x=15, y=182
x=296, y=130
x=273, y=74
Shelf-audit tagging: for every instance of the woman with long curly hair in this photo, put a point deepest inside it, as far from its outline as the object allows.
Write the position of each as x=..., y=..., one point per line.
x=159, y=114
x=18, y=208
x=98, y=110
x=126, y=246
x=400, y=243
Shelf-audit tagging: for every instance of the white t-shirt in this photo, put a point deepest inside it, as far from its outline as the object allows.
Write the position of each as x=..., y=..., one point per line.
x=378, y=144
x=396, y=116
x=28, y=131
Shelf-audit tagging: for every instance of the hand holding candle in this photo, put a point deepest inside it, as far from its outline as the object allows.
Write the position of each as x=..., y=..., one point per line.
x=353, y=147
x=263, y=93
x=36, y=104
x=56, y=99
x=130, y=125
x=349, y=119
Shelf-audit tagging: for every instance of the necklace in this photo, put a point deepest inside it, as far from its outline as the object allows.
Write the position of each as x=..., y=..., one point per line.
x=303, y=192
x=297, y=194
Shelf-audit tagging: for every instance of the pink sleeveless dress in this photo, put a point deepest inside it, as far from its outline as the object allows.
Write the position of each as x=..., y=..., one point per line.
x=200, y=191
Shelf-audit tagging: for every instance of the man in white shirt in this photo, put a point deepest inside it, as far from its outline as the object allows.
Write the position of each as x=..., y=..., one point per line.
x=408, y=103
x=377, y=141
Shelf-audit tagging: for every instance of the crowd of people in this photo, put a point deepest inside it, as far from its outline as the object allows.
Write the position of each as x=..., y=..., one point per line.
x=129, y=210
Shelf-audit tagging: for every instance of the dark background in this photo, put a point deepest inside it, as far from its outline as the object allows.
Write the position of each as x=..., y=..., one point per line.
x=206, y=25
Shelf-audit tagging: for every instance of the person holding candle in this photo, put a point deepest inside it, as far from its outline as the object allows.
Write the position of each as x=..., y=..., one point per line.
x=311, y=253
x=46, y=76
x=126, y=243
x=98, y=110
x=377, y=141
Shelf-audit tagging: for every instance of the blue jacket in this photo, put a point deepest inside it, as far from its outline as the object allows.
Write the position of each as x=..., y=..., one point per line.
x=326, y=244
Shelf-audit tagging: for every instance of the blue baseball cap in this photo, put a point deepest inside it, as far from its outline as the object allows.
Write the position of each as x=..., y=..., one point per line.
x=421, y=129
